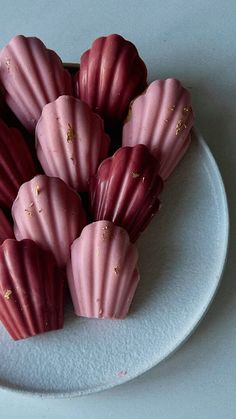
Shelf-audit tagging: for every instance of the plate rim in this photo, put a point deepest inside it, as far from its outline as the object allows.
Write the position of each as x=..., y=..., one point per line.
x=73, y=394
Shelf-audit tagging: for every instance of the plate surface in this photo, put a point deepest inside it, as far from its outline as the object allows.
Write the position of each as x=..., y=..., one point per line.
x=182, y=255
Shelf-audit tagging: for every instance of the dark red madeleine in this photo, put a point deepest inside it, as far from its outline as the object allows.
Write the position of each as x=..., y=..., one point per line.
x=16, y=165
x=6, y=231
x=111, y=74
x=126, y=189
x=31, y=289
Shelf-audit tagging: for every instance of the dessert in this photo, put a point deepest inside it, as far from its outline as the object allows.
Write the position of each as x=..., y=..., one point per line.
x=70, y=141
x=32, y=76
x=49, y=212
x=161, y=118
x=126, y=188
x=31, y=289
x=102, y=272
x=111, y=74
x=120, y=193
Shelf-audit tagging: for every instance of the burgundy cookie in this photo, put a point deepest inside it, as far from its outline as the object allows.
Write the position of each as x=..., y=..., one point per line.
x=111, y=74
x=31, y=289
x=126, y=189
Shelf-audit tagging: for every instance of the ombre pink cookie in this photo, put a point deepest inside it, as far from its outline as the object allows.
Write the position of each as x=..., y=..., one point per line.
x=32, y=76
x=16, y=165
x=161, y=118
x=70, y=141
x=126, y=189
x=47, y=211
x=102, y=272
x=31, y=289
x=6, y=231
x=111, y=74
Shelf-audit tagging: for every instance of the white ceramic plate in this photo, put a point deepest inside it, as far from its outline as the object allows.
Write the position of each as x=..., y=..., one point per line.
x=182, y=255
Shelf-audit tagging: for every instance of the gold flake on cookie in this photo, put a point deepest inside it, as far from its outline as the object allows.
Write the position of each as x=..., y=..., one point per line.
x=37, y=190
x=7, y=294
x=180, y=126
x=135, y=175
x=70, y=134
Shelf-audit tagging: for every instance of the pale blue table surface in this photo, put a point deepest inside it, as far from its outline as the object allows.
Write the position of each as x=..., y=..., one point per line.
x=195, y=42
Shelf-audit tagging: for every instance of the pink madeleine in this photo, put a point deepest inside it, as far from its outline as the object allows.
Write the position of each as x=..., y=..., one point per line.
x=32, y=76
x=126, y=189
x=31, y=289
x=111, y=74
x=102, y=272
x=47, y=211
x=161, y=118
x=6, y=231
x=16, y=165
x=70, y=141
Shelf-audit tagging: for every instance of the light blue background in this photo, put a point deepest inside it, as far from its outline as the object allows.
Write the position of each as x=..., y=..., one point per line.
x=195, y=42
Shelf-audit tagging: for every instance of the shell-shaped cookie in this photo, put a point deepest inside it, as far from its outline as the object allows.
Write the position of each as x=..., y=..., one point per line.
x=102, y=272
x=126, y=188
x=31, y=289
x=70, y=141
x=111, y=74
x=32, y=76
x=49, y=212
x=16, y=164
x=161, y=118
x=6, y=231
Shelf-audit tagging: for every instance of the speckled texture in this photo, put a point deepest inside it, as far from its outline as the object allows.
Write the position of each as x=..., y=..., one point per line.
x=161, y=118
x=70, y=141
x=6, y=231
x=16, y=165
x=126, y=189
x=102, y=273
x=49, y=212
x=111, y=74
x=31, y=289
x=32, y=76
x=181, y=259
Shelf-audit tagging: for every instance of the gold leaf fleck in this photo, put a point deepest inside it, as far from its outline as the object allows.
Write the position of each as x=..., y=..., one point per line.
x=187, y=109
x=135, y=175
x=37, y=190
x=8, y=62
x=172, y=108
x=107, y=234
x=29, y=212
x=70, y=134
x=180, y=126
x=8, y=294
